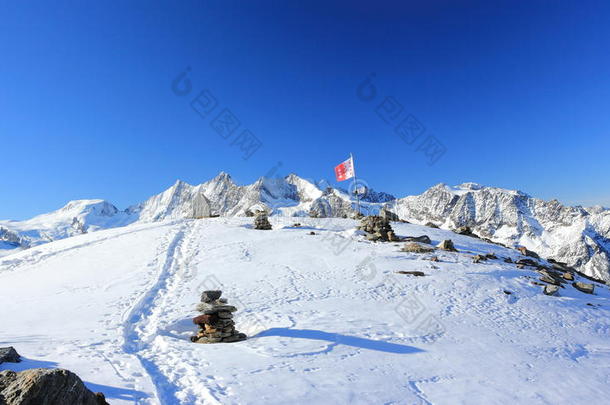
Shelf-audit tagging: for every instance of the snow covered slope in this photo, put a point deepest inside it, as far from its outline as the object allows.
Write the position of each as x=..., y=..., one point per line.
x=330, y=321
x=574, y=235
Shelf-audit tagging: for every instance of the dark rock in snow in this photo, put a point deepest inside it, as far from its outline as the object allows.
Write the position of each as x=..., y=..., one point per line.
x=412, y=273
x=550, y=289
x=413, y=247
x=447, y=244
x=584, y=287
x=431, y=225
x=9, y=355
x=210, y=295
x=42, y=386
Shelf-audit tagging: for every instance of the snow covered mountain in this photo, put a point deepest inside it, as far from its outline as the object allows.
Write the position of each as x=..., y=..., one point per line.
x=575, y=235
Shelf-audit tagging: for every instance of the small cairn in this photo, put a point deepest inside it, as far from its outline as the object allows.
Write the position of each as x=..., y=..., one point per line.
x=378, y=228
x=262, y=221
x=216, y=324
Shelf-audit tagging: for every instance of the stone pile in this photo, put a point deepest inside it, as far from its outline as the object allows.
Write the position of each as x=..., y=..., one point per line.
x=262, y=222
x=216, y=323
x=378, y=229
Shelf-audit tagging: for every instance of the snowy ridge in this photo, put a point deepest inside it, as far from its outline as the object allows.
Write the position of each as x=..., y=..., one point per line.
x=575, y=235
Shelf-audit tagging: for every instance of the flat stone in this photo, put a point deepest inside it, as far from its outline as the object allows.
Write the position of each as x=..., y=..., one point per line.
x=584, y=287
x=568, y=276
x=549, y=280
x=220, y=308
x=412, y=273
x=418, y=239
x=414, y=247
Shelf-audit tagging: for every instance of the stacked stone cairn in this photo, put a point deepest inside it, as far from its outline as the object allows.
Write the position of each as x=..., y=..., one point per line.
x=378, y=229
x=216, y=324
x=262, y=221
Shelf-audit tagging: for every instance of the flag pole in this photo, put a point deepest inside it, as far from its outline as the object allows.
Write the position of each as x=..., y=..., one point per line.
x=355, y=183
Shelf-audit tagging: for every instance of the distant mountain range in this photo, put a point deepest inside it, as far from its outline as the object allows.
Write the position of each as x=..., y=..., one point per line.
x=577, y=236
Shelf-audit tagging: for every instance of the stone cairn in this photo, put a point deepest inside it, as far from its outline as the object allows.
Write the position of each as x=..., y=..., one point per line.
x=262, y=221
x=378, y=228
x=216, y=323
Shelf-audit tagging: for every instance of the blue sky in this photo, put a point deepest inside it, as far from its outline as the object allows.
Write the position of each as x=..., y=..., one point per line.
x=516, y=94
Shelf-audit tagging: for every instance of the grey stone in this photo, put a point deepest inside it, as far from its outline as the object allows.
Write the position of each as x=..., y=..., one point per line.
x=413, y=247
x=9, y=355
x=419, y=239
x=210, y=295
x=43, y=386
x=431, y=225
x=550, y=289
x=447, y=244
x=584, y=287
x=412, y=273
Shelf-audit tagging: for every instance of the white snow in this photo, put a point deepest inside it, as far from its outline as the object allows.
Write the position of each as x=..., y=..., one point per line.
x=329, y=320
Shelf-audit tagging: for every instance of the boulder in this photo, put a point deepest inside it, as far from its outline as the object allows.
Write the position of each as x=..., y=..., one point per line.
x=550, y=289
x=431, y=225
x=479, y=258
x=525, y=252
x=527, y=262
x=464, y=230
x=9, y=355
x=418, y=239
x=414, y=247
x=447, y=244
x=508, y=260
x=568, y=276
x=434, y=259
x=584, y=287
x=491, y=256
x=46, y=386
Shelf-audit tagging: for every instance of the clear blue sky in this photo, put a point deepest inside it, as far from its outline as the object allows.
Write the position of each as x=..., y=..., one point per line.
x=518, y=92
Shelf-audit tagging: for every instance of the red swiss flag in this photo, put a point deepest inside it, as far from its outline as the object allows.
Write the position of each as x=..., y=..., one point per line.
x=345, y=170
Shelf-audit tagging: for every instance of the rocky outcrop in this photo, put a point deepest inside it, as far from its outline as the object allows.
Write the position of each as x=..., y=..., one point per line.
x=577, y=236
x=42, y=386
x=378, y=229
x=9, y=355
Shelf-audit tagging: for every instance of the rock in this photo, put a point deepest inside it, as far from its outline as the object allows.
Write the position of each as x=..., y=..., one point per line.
x=557, y=279
x=584, y=287
x=447, y=244
x=261, y=222
x=9, y=355
x=210, y=295
x=520, y=266
x=418, y=239
x=479, y=258
x=507, y=292
x=312, y=233
x=377, y=228
x=235, y=338
x=434, y=259
x=387, y=214
x=550, y=289
x=205, y=319
x=219, y=308
x=413, y=247
x=525, y=252
x=527, y=262
x=464, y=230
x=508, y=260
x=568, y=276
x=412, y=273
x=45, y=386
x=550, y=280
x=491, y=256
x=431, y=225
x=296, y=225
